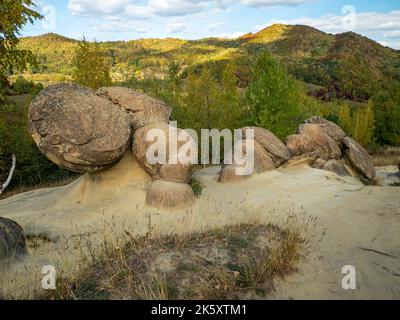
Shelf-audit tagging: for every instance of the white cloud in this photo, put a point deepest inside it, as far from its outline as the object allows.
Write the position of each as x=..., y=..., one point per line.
x=177, y=7
x=272, y=3
x=176, y=27
x=215, y=25
x=231, y=35
x=165, y=8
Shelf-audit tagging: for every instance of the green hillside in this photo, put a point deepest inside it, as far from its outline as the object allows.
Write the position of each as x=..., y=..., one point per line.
x=345, y=65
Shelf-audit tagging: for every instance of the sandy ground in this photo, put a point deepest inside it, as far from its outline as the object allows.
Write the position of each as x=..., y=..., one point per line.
x=356, y=225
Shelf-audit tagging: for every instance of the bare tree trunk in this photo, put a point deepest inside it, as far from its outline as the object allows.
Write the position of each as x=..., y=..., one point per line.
x=10, y=175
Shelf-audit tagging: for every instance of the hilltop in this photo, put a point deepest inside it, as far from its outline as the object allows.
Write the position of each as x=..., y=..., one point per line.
x=348, y=63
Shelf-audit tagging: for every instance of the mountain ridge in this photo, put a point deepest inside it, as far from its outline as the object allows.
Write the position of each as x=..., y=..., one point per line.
x=353, y=64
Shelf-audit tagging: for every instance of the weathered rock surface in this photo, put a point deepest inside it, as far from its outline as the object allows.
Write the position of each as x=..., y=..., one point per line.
x=337, y=166
x=359, y=157
x=262, y=159
x=312, y=138
x=307, y=158
x=330, y=128
x=272, y=144
x=172, y=195
x=12, y=240
x=142, y=109
x=141, y=146
x=78, y=130
x=229, y=175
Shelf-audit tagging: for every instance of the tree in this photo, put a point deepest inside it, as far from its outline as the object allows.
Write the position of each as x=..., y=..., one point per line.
x=386, y=107
x=274, y=97
x=207, y=103
x=345, y=121
x=14, y=15
x=91, y=68
x=364, y=126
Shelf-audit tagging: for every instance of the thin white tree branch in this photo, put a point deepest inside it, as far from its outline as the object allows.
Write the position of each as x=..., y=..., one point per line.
x=10, y=175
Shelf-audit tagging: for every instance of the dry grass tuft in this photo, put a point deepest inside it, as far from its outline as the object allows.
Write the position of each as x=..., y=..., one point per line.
x=231, y=263
x=387, y=156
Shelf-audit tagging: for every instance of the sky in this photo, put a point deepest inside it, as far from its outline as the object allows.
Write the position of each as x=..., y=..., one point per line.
x=109, y=20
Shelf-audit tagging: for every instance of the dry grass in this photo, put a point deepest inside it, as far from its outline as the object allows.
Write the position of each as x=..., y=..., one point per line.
x=231, y=263
x=387, y=156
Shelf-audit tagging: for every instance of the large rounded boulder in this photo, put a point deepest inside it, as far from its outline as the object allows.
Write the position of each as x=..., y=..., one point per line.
x=142, y=109
x=12, y=240
x=146, y=142
x=78, y=130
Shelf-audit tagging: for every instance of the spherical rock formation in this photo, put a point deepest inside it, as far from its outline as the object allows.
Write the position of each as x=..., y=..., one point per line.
x=78, y=130
x=12, y=240
x=147, y=136
x=278, y=151
x=172, y=195
x=142, y=109
x=359, y=158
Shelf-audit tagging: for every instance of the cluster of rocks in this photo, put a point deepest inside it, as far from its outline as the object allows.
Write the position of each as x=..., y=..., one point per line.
x=320, y=143
x=269, y=153
x=329, y=148
x=86, y=131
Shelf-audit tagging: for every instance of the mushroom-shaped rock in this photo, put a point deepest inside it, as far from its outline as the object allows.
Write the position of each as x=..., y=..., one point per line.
x=78, y=130
x=142, y=109
x=312, y=138
x=272, y=144
x=171, y=195
x=148, y=136
x=359, y=158
x=330, y=128
x=12, y=240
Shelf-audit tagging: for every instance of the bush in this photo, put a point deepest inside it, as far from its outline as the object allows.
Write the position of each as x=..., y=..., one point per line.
x=32, y=166
x=24, y=86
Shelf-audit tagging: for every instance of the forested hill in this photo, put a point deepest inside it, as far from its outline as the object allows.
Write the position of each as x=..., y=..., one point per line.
x=346, y=64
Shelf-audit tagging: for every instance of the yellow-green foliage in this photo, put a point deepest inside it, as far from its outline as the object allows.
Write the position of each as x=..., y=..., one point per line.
x=90, y=66
x=359, y=124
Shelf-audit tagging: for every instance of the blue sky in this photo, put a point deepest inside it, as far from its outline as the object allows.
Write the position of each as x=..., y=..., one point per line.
x=193, y=19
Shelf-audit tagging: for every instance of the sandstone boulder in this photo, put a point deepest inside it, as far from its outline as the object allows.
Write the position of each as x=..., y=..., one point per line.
x=141, y=145
x=307, y=158
x=78, y=130
x=330, y=128
x=171, y=195
x=359, y=158
x=12, y=240
x=229, y=175
x=262, y=159
x=142, y=109
x=312, y=138
x=337, y=166
x=273, y=145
